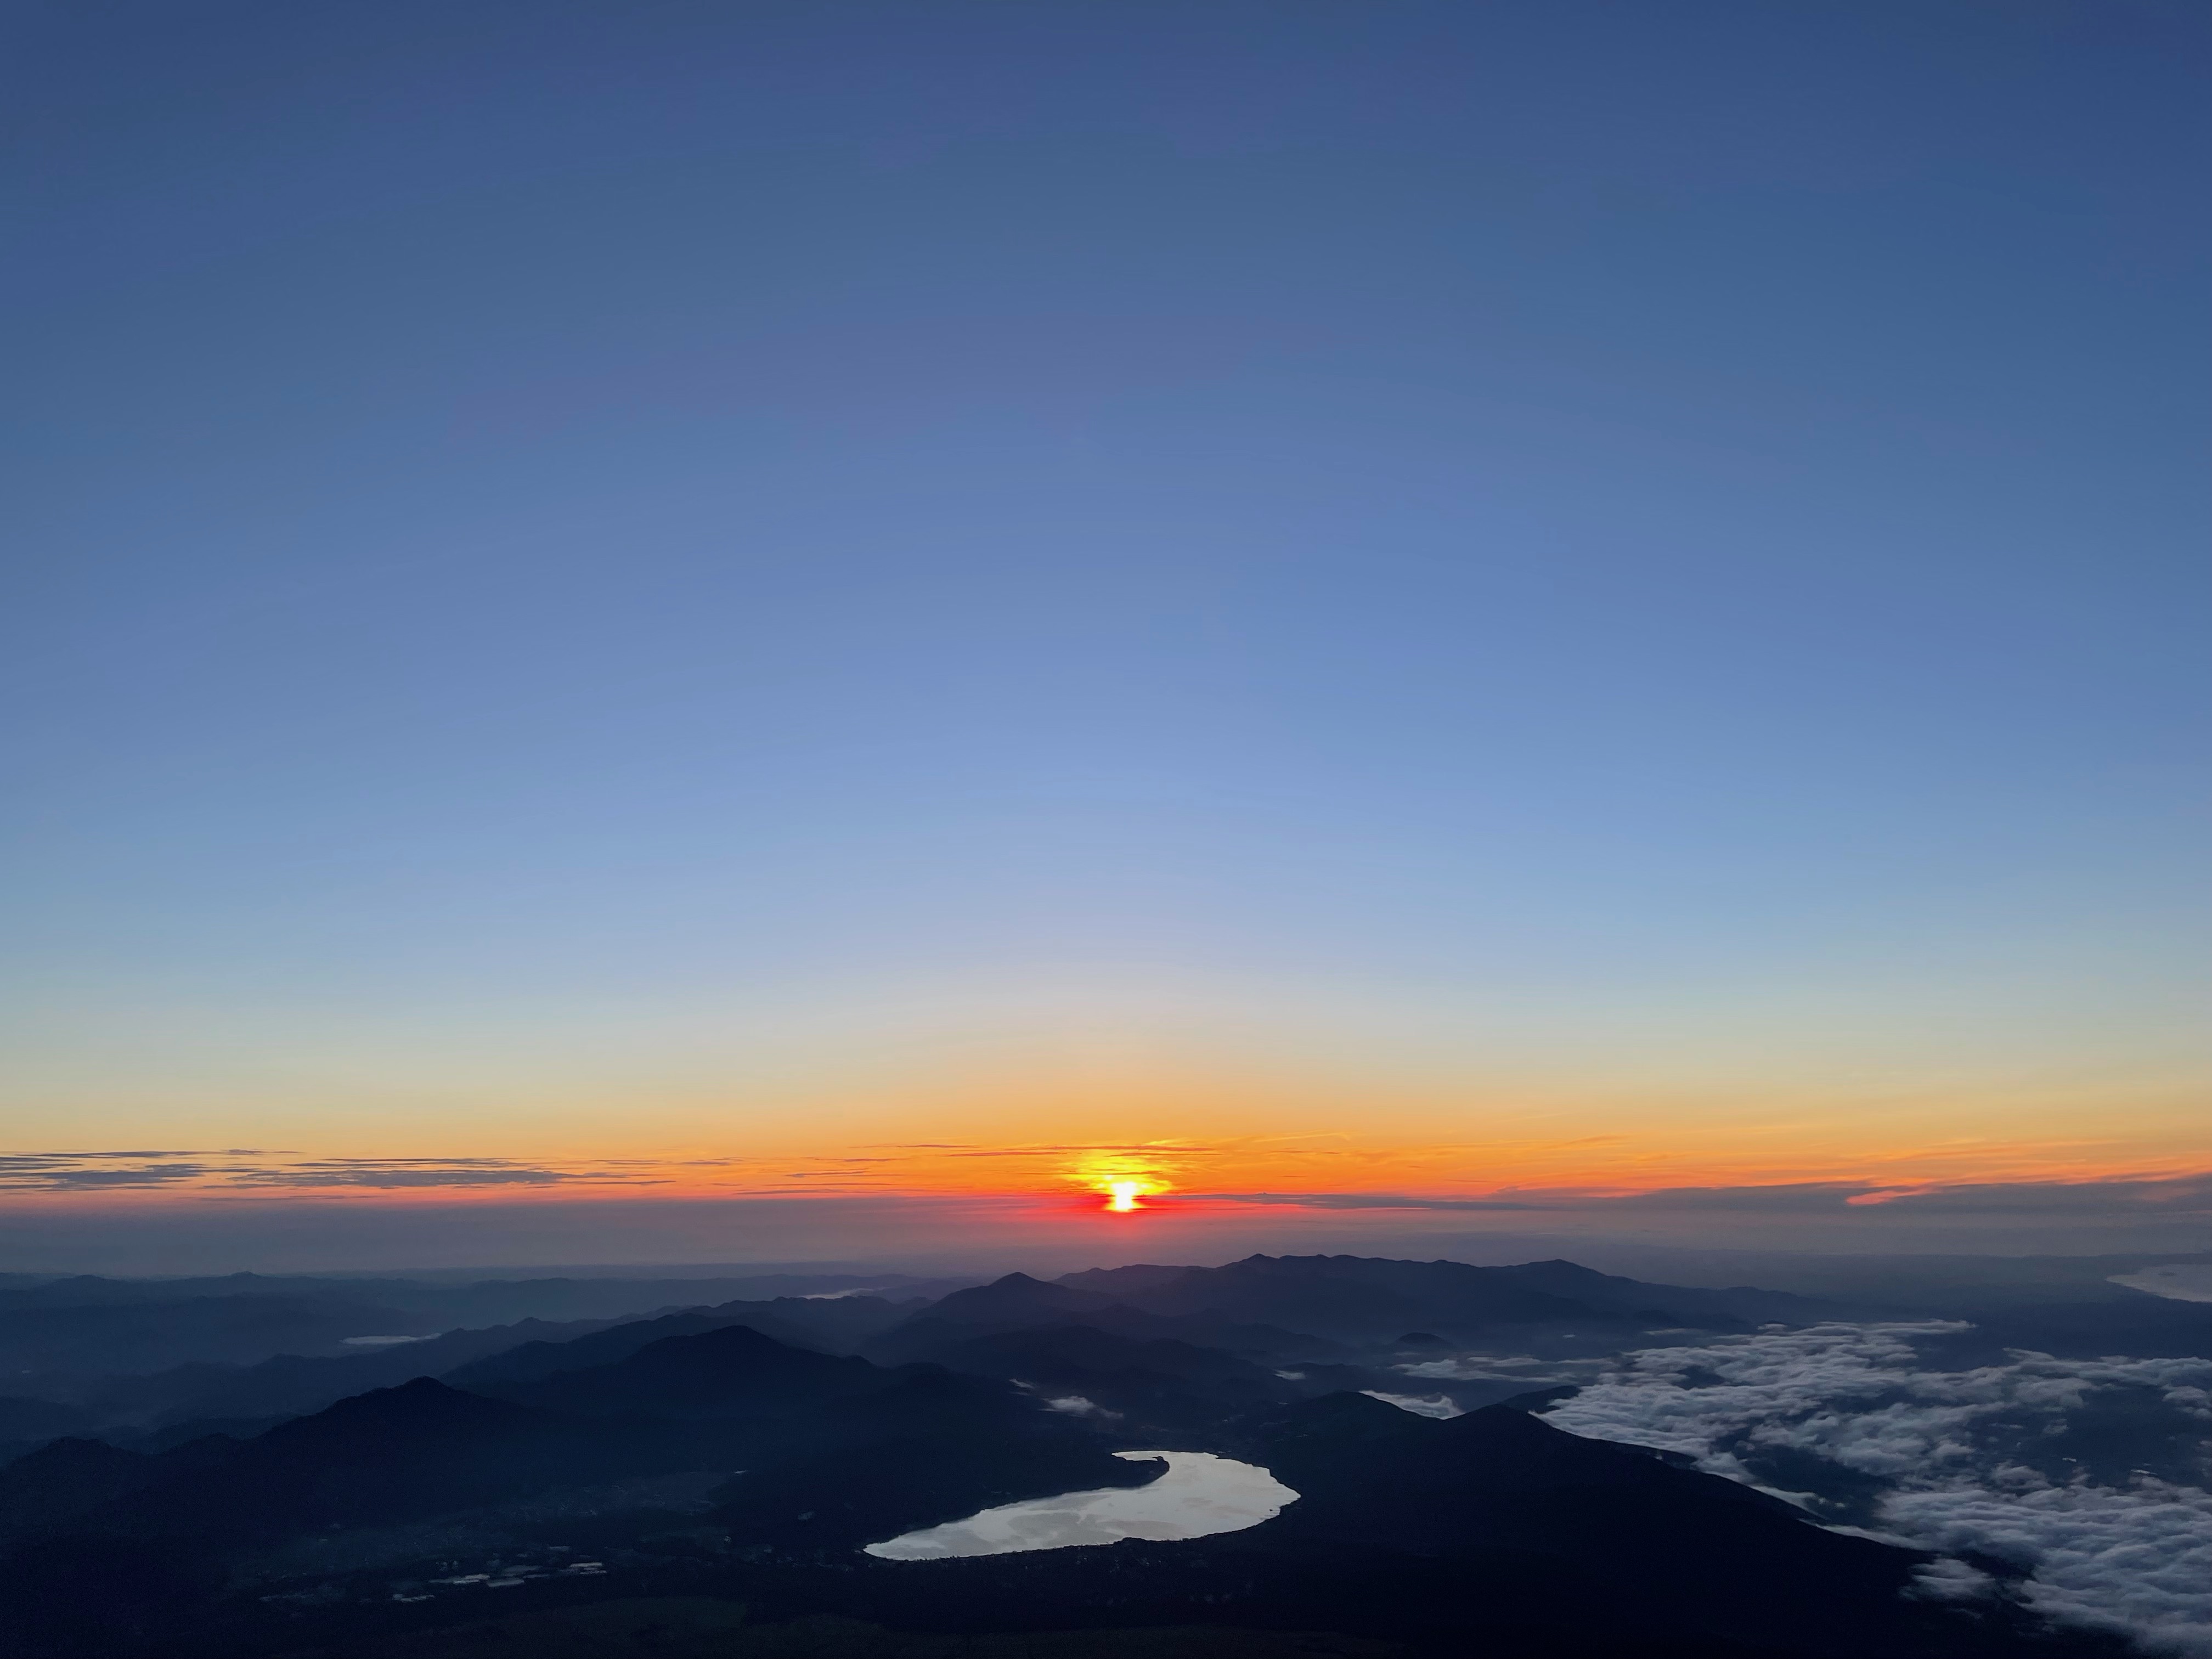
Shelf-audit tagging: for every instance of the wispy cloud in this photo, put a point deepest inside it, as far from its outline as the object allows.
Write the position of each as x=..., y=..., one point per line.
x=1372, y=1201
x=429, y=1172
x=2175, y=1195
x=97, y=1171
x=68, y=1171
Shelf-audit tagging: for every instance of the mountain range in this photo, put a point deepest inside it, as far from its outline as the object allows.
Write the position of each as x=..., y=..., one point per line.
x=745, y=1452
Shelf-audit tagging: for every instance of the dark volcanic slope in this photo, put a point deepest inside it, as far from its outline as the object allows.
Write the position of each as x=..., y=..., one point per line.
x=1490, y=1534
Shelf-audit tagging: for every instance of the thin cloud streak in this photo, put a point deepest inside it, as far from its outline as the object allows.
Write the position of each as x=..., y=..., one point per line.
x=62, y=1172
x=2179, y=1194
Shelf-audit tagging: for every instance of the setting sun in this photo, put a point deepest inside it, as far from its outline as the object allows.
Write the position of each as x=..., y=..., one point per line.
x=1125, y=1176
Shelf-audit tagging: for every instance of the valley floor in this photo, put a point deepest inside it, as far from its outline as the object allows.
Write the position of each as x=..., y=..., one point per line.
x=703, y=1627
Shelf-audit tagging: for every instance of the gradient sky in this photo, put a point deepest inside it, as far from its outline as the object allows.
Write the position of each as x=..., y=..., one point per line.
x=1329, y=598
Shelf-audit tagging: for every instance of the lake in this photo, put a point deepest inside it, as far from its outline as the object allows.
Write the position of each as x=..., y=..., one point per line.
x=1199, y=1495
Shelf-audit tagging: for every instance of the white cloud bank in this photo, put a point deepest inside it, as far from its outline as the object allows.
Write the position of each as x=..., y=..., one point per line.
x=1956, y=1460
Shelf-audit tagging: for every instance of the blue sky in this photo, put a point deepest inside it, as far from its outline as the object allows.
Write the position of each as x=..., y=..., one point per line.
x=599, y=550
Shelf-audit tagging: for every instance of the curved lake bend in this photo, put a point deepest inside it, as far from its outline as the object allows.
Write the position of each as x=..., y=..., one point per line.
x=1199, y=1495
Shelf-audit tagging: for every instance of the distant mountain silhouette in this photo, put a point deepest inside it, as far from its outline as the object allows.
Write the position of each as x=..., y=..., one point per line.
x=717, y=1372
x=293, y=1385
x=95, y=1290
x=526, y=1363
x=1014, y=1302
x=1018, y=1302
x=1710, y=1310
x=135, y=1336
x=1371, y=1300
x=88, y=1327
x=1159, y=1384
x=51, y=1488
x=391, y=1454
x=152, y=1409
x=26, y=1423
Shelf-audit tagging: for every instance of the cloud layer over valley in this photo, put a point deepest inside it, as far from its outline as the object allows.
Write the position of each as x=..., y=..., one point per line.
x=2082, y=1481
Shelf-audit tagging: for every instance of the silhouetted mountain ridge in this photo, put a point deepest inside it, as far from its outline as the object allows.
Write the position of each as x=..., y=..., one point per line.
x=715, y=1372
x=1371, y=1299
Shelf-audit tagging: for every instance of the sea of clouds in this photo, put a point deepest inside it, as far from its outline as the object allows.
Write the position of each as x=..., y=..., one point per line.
x=2088, y=1476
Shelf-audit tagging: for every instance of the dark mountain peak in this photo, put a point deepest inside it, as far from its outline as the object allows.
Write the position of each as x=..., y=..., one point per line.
x=415, y=1396
x=1135, y=1273
x=1558, y=1269
x=1362, y=1298
x=733, y=1339
x=499, y=1372
x=71, y=1458
x=1016, y=1295
x=1368, y=1298
x=1729, y=1310
x=424, y=1405
x=1507, y=1426
x=395, y=1454
x=732, y=1351
x=422, y=1413
x=413, y=1389
x=1325, y=1267
x=726, y=1369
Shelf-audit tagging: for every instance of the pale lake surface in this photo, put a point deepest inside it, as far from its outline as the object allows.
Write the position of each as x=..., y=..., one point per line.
x=2179, y=1281
x=1199, y=1495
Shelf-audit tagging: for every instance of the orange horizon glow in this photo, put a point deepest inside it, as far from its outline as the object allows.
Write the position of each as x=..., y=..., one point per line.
x=1123, y=1182
x=1125, y=1139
